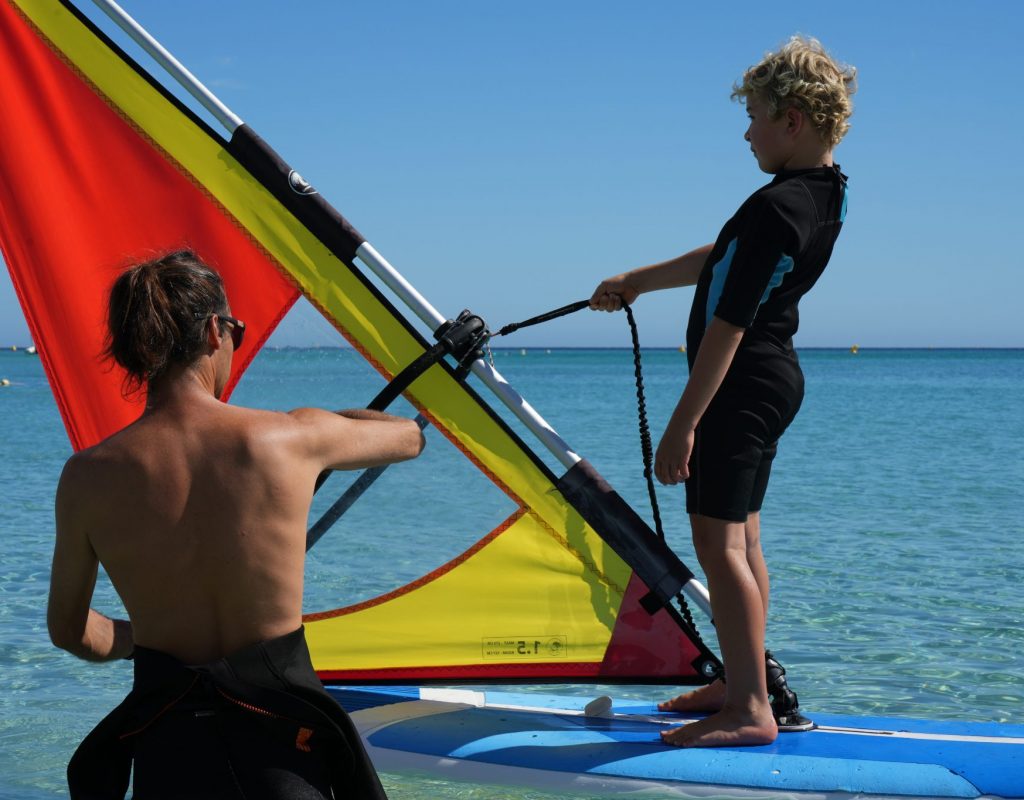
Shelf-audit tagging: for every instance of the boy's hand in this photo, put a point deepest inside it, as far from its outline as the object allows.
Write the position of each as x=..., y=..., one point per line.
x=610, y=294
x=672, y=460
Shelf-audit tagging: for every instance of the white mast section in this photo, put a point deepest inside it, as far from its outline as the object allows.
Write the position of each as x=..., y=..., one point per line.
x=224, y=115
x=416, y=303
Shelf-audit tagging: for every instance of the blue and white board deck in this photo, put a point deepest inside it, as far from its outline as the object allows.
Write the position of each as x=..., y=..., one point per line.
x=549, y=742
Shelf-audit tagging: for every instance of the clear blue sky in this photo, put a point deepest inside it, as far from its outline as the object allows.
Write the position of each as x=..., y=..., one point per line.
x=507, y=156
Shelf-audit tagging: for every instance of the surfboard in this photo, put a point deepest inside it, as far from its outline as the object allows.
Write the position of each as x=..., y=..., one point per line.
x=551, y=742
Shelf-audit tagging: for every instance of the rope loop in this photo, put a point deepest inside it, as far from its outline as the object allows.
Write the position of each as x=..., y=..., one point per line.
x=645, y=431
x=646, y=450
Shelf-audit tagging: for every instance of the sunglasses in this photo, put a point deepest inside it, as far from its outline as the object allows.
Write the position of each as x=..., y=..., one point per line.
x=237, y=329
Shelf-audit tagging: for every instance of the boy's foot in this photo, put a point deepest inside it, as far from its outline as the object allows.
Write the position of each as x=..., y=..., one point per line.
x=727, y=728
x=706, y=698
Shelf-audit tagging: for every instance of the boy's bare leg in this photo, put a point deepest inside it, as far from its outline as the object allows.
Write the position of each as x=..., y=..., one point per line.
x=746, y=716
x=712, y=696
x=755, y=559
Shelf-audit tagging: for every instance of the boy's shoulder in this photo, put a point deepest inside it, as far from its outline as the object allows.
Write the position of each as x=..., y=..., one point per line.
x=799, y=195
x=788, y=198
x=793, y=204
x=791, y=187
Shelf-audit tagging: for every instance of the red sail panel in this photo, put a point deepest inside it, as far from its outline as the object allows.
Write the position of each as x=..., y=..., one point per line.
x=83, y=195
x=647, y=644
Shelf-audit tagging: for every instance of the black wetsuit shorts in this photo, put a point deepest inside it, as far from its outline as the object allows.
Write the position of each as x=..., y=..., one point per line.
x=737, y=437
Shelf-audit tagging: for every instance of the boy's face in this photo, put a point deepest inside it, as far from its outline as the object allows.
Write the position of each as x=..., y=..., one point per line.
x=770, y=139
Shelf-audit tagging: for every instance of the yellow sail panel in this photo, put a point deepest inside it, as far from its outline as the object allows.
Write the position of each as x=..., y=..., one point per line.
x=516, y=601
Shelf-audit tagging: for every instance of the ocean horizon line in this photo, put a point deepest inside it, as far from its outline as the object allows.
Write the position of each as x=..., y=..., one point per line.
x=670, y=348
x=20, y=348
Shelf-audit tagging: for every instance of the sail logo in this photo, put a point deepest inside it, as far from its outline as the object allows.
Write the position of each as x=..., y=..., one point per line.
x=300, y=185
x=518, y=647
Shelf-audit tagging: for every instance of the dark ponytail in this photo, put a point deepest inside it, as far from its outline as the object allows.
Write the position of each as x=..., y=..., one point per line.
x=158, y=314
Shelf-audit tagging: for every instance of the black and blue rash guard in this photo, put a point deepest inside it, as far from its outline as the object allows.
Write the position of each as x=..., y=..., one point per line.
x=767, y=257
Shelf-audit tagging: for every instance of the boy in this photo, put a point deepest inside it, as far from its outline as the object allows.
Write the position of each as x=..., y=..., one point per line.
x=745, y=383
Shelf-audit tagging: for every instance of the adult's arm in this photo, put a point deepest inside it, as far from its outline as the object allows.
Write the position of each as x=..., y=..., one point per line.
x=357, y=438
x=72, y=624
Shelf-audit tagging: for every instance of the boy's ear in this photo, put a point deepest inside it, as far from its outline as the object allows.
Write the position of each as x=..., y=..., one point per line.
x=795, y=120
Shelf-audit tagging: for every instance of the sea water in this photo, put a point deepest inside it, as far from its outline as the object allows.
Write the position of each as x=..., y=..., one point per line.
x=893, y=531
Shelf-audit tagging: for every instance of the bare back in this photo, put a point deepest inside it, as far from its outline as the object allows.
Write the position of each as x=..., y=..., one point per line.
x=198, y=513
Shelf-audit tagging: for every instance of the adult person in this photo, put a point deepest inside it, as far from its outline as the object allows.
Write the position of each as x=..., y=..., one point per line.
x=197, y=511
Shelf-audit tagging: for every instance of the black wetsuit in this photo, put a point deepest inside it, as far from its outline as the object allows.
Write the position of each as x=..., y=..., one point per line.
x=256, y=724
x=766, y=258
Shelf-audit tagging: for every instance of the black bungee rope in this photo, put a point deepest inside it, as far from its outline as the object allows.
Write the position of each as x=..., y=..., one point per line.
x=645, y=431
x=785, y=705
x=546, y=317
x=464, y=339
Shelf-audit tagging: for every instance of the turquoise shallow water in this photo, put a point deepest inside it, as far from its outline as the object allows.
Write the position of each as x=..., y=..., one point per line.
x=892, y=528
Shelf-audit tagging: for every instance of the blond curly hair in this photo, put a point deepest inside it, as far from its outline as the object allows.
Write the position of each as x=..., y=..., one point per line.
x=802, y=75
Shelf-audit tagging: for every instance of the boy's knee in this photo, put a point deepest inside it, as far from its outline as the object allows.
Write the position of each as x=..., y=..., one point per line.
x=714, y=539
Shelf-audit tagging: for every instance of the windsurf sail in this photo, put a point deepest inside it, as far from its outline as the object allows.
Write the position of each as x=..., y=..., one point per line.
x=102, y=166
